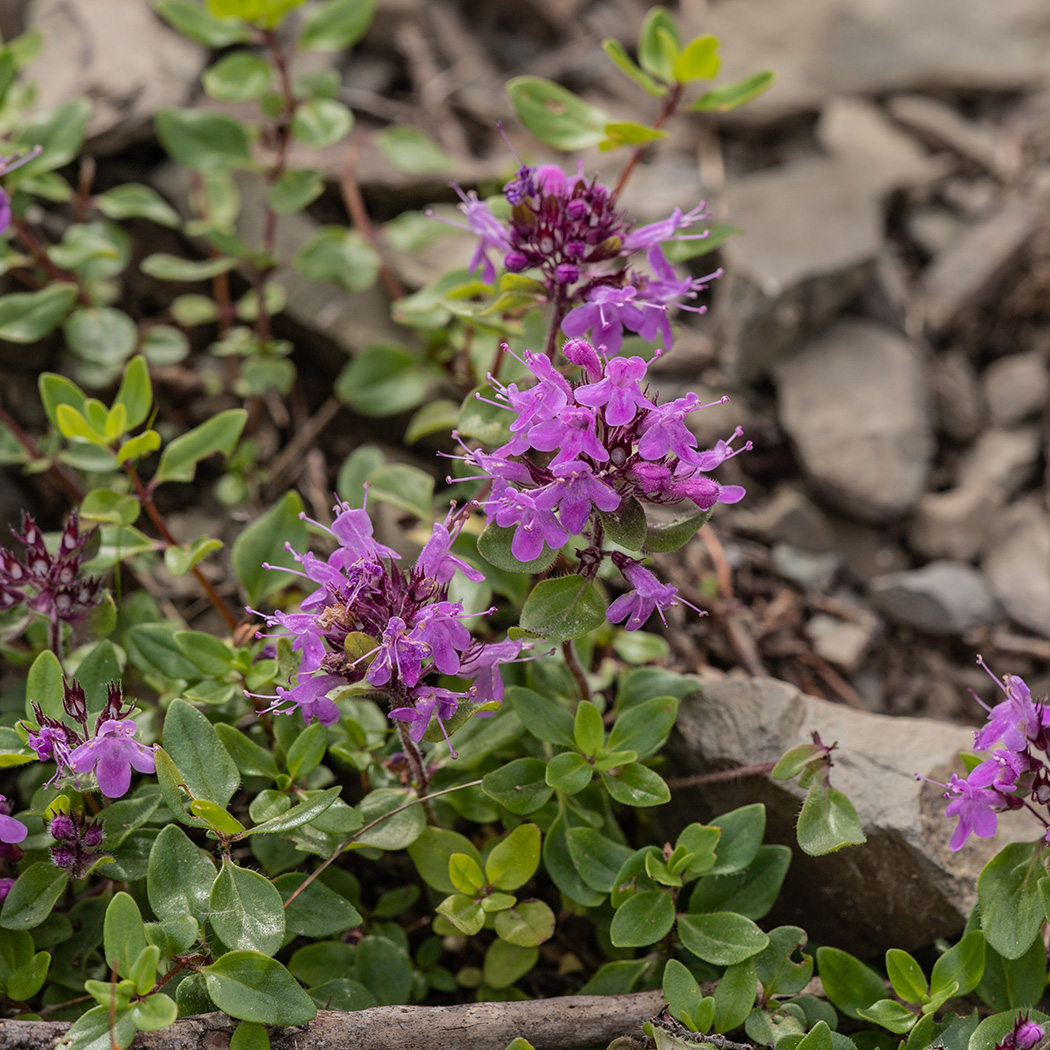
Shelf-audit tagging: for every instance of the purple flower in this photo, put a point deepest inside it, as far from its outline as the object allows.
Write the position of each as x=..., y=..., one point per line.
x=572, y=433
x=427, y=704
x=605, y=313
x=482, y=665
x=619, y=391
x=1015, y=720
x=311, y=699
x=975, y=809
x=440, y=630
x=399, y=654
x=648, y=594
x=575, y=491
x=436, y=560
x=11, y=830
x=706, y=492
x=113, y=752
x=535, y=525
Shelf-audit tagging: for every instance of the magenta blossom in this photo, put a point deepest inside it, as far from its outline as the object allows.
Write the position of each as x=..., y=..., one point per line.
x=975, y=809
x=11, y=831
x=112, y=753
x=648, y=595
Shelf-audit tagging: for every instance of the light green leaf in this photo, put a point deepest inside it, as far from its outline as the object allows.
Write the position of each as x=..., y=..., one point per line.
x=563, y=608
x=728, y=96
x=136, y=201
x=246, y=910
x=220, y=433
x=336, y=25
x=203, y=140
x=722, y=938
x=555, y=115
x=321, y=122
x=239, y=76
x=26, y=317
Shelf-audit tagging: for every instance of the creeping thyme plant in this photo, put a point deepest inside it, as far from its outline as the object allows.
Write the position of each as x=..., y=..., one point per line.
x=401, y=762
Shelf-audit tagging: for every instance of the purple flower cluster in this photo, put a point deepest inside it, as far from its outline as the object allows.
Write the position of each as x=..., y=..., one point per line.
x=77, y=841
x=1009, y=776
x=371, y=621
x=49, y=584
x=568, y=228
x=603, y=441
x=1023, y=1036
x=111, y=751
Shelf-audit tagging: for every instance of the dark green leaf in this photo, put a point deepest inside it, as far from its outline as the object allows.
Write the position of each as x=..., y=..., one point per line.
x=645, y=727
x=264, y=541
x=203, y=139
x=252, y=987
x=597, y=859
x=637, y=785
x=519, y=786
x=344, y=257
x=751, y=891
x=849, y=984
x=545, y=718
x=666, y=536
x=180, y=876
x=643, y=919
x=828, y=822
x=193, y=745
x=321, y=122
x=722, y=938
x=33, y=895
x=563, y=868
x=1010, y=895
x=563, y=608
x=337, y=24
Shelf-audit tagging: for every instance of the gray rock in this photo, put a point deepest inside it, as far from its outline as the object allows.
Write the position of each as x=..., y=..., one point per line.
x=971, y=270
x=843, y=643
x=943, y=597
x=1017, y=387
x=866, y=551
x=854, y=404
x=933, y=228
x=806, y=569
x=858, y=47
x=788, y=516
x=787, y=275
x=120, y=56
x=904, y=887
x=956, y=523
x=944, y=127
x=957, y=397
x=1017, y=565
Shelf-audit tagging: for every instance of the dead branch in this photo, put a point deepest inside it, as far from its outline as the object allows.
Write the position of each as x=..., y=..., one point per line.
x=549, y=1024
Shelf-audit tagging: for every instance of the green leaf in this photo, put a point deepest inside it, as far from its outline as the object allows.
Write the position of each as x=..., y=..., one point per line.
x=432, y=417
x=546, y=719
x=193, y=745
x=1010, y=893
x=306, y=752
x=1011, y=984
x=154, y=645
x=563, y=867
x=405, y=487
x=210, y=654
x=191, y=309
x=249, y=1036
x=645, y=727
x=431, y=851
x=383, y=380
x=57, y=390
x=665, y=536
x=125, y=934
x=992, y=1030
x=906, y=976
x=527, y=924
x=301, y=813
x=514, y=861
x=401, y=829
x=464, y=912
x=155, y=1012
x=506, y=963
x=658, y=44
x=849, y=984
x=728, y=96
x=22, y=973
x=735, y=995
x=494, y=545
x=252, y=987
x=698, y=60
x=295, y=189
x=776, y=967
x=135, y=393
x=246, y=910
x=563, y=608
x=682, y=992
x=597, y=859
x=519, y=786
x=240, y=76
x=828, y=822
x=637, y=785
x=165, y=267
x=33, y=895
x=699, y=842
x=555, y=115
x=616, y=51
x=569, y=772
x=133, y=200
x=321, y=122
x=220, y=433
x=44, y=685
x=337, y=24
x=60, y=131
x=619, y=133
x=588, y=728
x=751, y=891
x=217, y=818
x=164, y=345
x=318, y=911
x=722, y=938
x=890, y=1015
x=644, y=919
x=819, y=1038
x=264, y=541
x=26, y=317
x=203, y=140
x=193, y=21
x=794, y=761
x=480, y=418
x=181, y=558
x=99, y=1029
x=179, y=877
x=626, y=525
x=465, y=874
x=344, y=257
x=413, y=151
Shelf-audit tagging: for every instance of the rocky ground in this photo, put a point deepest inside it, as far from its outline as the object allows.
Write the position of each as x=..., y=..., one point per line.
x=883, y=325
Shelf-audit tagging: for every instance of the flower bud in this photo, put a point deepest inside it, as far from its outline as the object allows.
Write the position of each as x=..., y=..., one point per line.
x=63, y=828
